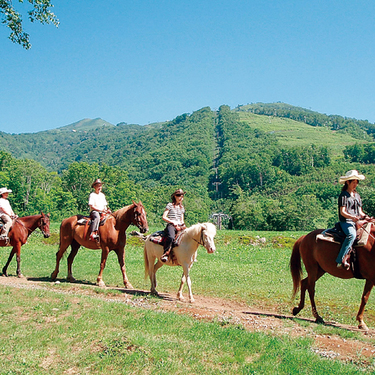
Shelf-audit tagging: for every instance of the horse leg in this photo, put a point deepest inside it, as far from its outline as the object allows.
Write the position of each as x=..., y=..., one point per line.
x=179, y=293
x=59, y=254
x=311, y=281
x=185, y=277
x=75, y=247
x=301, y=305
x=305, y=285
x=365, y=296
x=99, y=280
x=152, y=268
x=18, y=258
x=5, y=268
x=121, y=259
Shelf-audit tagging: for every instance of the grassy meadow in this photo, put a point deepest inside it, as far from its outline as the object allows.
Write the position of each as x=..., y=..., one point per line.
x=293, y=133
x=56, y=333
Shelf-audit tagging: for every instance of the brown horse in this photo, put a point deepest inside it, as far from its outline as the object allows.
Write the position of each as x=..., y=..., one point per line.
x=319, y=257
x=21, y=229
x=112, y=237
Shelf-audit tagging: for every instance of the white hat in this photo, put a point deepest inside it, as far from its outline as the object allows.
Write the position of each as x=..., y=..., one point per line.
x=4, y=190
x=351, y=175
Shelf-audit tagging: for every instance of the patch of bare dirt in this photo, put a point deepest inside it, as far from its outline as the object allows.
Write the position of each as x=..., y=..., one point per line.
x=226, y=312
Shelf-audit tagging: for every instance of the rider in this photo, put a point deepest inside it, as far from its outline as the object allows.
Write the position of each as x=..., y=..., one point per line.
x=350, y=211
x=174, y=216
x=6, y=213
x=98, y=204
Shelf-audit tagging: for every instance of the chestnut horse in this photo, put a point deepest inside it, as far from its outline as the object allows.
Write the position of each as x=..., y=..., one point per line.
x=112, y=237
x=319, y=257
x=21, y=229
x=185, y=254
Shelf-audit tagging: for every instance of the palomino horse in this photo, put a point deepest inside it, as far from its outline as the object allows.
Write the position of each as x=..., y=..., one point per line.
x=112, y=237
x=319, y=257
x=185, y=254
x=21, y=229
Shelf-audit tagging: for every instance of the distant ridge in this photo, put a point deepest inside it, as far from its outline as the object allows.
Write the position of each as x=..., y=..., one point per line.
x=85, y=125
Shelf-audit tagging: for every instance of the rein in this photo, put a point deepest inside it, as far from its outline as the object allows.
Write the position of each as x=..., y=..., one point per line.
x=201, y=239
x=20, y=222
x=369, y=233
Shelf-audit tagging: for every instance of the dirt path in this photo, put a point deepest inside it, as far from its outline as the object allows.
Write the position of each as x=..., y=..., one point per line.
x=226, y=312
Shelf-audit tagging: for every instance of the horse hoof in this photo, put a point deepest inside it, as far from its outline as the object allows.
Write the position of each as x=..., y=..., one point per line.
x=101, y=284
x=191, y=300
x=295, y=311
x=128, y=285
x=20, y=276
x=181, y=298
x=71, y=279
x=363, y=326
x=319, y=320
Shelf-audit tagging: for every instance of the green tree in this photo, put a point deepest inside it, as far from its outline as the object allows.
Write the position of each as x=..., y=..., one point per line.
x=12, y=18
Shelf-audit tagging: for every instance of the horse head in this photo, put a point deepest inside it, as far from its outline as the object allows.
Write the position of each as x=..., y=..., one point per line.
x=140, y=219
x=43, y=224
x=208, y=234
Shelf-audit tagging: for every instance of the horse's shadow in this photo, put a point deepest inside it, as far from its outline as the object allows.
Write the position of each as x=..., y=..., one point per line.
x=47, y=279
x=295, y=319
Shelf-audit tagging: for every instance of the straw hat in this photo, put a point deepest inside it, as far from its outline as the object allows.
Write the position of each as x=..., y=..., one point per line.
x=97, y=182
x=4, y=190
x=351, y=175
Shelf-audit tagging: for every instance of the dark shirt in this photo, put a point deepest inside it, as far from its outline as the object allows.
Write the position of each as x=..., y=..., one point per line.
x=352, y=204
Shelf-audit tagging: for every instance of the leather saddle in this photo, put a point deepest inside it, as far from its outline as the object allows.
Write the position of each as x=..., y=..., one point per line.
x=86, y=220
x=159, y=238
x=336, y=234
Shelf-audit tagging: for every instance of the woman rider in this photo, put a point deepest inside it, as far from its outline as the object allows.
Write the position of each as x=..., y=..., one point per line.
x=174, y=216
x=350, y=211
x=98, y=204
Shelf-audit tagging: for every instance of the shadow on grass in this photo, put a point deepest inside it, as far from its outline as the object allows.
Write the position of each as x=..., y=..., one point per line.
x=309, y=320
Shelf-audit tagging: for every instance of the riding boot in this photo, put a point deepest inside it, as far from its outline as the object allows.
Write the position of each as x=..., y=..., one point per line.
x=165, y=256
x=94, y=236
x=345, y=261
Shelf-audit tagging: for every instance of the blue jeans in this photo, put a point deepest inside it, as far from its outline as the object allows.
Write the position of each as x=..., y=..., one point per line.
x=351, y=233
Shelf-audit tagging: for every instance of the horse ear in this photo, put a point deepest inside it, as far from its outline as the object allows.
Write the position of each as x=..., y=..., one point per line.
x=135, y=204
x=204, y=226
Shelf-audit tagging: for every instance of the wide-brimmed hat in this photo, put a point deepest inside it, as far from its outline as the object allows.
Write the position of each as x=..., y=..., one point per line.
x=351, y=175
x=97, y=182
x=4, y=190
x=178, y=192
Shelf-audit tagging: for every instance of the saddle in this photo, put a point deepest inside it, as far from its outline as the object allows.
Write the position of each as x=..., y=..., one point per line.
x=336, y=235
x=86, y=220
x=159, y=238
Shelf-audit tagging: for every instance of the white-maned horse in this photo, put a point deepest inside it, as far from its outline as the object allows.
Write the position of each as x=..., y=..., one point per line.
x=185, y=254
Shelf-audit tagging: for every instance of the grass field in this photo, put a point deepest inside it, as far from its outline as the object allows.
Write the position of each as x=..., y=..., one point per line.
x=55, y=333
x=293, y=133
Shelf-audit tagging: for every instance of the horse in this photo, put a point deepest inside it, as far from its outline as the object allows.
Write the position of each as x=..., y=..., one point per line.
x=112, y=237
x=319, y=257
x=21, y=229
x=185, y=254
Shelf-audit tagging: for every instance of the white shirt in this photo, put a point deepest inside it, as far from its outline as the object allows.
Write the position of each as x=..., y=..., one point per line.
x=98, y=201
x=5, y=207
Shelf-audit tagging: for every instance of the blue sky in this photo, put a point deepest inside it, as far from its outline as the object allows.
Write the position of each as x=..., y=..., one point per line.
x=142, y=61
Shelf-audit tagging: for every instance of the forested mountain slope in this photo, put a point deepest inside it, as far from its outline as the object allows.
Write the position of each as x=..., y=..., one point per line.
x=261, y=164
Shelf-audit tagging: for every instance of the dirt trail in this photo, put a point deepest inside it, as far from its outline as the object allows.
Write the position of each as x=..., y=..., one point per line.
x=226, y=312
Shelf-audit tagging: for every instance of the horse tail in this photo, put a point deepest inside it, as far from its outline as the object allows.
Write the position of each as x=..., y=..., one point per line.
x=145, y=257
x=295, y=266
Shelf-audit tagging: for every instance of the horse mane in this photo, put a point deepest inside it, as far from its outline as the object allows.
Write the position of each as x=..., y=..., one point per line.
x=210, y=228
x=121, y=213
